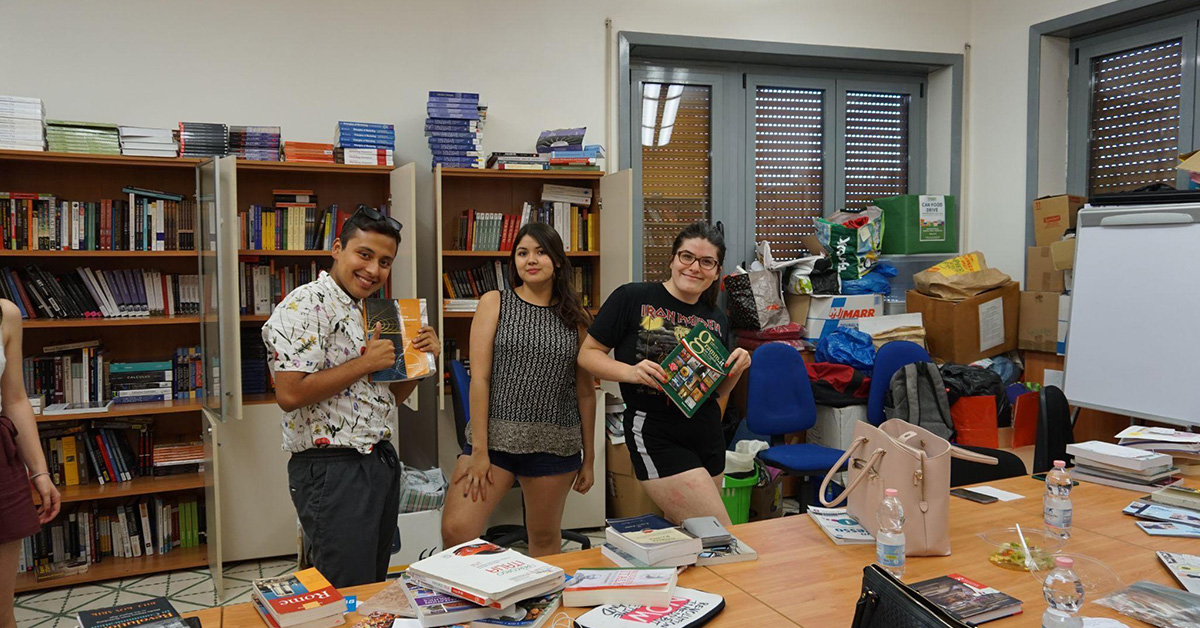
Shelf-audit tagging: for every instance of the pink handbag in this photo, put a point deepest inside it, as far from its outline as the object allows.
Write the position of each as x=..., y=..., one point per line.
x=915, y=462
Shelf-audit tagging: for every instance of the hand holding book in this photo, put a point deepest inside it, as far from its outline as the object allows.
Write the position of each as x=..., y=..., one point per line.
x=646, y=373
x=380, y=353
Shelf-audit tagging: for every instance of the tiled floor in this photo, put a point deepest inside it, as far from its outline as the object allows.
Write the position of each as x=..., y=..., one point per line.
x=188, y=590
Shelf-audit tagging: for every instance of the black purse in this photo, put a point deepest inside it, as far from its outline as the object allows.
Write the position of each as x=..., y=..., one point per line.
x=886, y=602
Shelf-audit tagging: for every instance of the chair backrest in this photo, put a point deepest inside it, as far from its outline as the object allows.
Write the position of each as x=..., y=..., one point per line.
x=780, y=399
x=963, y=472
x=890, y=358
x=460, y=389
x=1054, y=430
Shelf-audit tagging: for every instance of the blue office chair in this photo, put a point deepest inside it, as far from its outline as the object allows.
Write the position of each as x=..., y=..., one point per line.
x=890, y=358
x=781, y=402
x=502, y=535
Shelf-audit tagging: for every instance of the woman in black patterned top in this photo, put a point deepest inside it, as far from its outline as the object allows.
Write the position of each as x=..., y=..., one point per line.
x=532, y=409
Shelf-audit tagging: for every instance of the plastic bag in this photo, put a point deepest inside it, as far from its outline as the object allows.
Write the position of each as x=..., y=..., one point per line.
x=824, y=277
x=1156, y=605
x=754, y=300
x=848, y=346
x=741, y=459
x=853, y=240
x=971, y=381
x=422, y=490
x=874, y=282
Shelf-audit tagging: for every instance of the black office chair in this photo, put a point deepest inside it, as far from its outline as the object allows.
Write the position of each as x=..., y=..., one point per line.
x=963, y=472
x=1054, y=429
x=507, y=534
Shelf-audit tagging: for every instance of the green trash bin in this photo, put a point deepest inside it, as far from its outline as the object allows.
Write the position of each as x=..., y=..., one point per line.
x=736, y=495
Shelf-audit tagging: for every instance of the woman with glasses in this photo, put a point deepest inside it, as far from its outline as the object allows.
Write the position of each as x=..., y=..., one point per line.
x=679, y=460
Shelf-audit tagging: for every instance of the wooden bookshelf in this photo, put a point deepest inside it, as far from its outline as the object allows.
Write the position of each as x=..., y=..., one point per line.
x=133, y=321
x=112, y=568
x=137, y=486
x=283, y=253
x=257, y=400
x=118, y=410
x=539, y=175
x=102, y=254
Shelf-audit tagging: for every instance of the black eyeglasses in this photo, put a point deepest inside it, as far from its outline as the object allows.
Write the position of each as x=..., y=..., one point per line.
x=687, y=258
x=373, y=214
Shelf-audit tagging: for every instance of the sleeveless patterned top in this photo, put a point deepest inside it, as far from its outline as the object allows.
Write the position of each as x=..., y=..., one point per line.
x=532, y=406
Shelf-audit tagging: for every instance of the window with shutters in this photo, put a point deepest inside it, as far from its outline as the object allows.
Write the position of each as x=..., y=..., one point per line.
x=789, y=166
x=876, y=153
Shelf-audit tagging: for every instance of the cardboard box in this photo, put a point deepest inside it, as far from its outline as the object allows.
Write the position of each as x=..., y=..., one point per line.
x=1062, y=254
x=1038, y=325
x=826, y=313
x=1040, y=274
x=625, y=496
x=766, y=502
x=797, y=305
x=834, y=427
x=420, y=537
x=1053, y=215
x=616, y=458
x=1064, y=322
x=965, y=331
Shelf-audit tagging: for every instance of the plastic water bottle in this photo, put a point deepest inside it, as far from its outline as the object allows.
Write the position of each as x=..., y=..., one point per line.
x=1064, y=594
x=889, y=541
x=1056, y=505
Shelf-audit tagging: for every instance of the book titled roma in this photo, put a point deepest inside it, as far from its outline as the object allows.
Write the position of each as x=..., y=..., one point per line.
x=695, y=367
x=299, y=597
x=400, y=320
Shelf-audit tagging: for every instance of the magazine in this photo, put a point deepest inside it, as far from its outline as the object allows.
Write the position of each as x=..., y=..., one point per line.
x=1157, y=512
x=400, y=321
x=695, y=368
x=842, y=528
x=688, y=609
x=1168, y=529
x=1185, y=568
x=967, y=599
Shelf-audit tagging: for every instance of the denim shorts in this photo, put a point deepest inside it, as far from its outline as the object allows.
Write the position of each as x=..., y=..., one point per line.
x=532, y=465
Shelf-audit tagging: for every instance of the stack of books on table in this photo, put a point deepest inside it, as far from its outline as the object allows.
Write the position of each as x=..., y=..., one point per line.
x=365, y=143
x=645, y=586
x=92, y=138
x=255, y=143
x=476, y=580
x=1166, y=518
x=303, y=599
x=518, y=161
x=308, y=152
x=1122, y=467
x=1183, y=447
x=455, y=129
x=22, y=123
x=137, y=141
x=651, y=541
x=582, y=158
x=203, y=139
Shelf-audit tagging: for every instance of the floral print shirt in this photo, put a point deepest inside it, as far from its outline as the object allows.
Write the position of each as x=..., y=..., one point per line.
x=319, y=326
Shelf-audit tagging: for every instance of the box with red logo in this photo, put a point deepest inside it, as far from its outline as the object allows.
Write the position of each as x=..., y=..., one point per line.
x=827, y=313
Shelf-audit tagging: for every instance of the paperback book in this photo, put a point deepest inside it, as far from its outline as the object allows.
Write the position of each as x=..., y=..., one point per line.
x=157, y=611
x=649, y=586
x=688, y=608
x=400, y=321
x=486, y=574
x=839, y=526
x=534, y=612
x=299, y=597
x=1185, y=568
x=1166, y=514
x=434, y=608
x=1158, y=528
x=694, y=369
x=967, y=599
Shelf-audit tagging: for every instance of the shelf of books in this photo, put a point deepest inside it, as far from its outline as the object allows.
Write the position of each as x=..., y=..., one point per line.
x=479, y=213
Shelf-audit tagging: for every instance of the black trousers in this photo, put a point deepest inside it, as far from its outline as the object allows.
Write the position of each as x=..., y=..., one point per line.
x=347, y=503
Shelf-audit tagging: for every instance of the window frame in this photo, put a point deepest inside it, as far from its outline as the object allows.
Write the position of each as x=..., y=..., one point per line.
x=915, y=88
x=1080, y=84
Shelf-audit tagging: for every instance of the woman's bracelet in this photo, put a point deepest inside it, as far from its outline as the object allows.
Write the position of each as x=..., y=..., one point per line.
x=35, y=475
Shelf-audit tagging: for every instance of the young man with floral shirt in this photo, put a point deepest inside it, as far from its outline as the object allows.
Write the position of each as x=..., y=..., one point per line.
x=343, y=475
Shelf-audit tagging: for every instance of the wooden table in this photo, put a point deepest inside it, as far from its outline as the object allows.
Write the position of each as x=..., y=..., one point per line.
x=802, y=578
x=209, y=617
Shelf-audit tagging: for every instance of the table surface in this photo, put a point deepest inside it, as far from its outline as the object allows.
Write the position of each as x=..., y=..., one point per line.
x=802, y=578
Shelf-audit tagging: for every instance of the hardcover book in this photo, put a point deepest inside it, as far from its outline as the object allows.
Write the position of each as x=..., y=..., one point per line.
x=694, y=369
x=968, y=600
x=400, y=320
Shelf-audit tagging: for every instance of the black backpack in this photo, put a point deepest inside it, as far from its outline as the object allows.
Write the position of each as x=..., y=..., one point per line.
x=917, y=394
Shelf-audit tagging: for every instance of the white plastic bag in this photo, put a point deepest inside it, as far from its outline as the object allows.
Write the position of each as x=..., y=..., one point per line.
x=741, y=459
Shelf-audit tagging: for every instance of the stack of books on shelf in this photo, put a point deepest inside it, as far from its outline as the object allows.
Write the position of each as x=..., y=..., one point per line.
x=573, y=223
x=68, y=376
x=476, y=580
x=181, y=377
x=22, y=123
x=90, y=533
x=177, y=458
x=92, y=138
x=471, y=283
x=304, y=599
x=293, y=223
x=137, y=141
x=518, y=161
x=203, y=139
x=308, y=152
x=1183, y=447
x=651, y=541
x=487, y=231
x=255, y=377
x=1122, y=467
x=255, y=143
x=87, y=293
x=1170, y=511
x=145, y=220
x=262, y=285
x=365, y=143
x=588, y=158
x=455, y=129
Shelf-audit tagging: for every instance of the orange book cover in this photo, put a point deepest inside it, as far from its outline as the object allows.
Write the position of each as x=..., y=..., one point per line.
x=400, y=320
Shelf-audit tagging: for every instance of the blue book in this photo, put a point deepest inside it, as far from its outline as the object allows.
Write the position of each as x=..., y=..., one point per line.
x=640, y=522
x=446, y=104
x=370, y=139
x=457, y=135
x=453, y=126
x=448, y=114
x=366, y=144
x=12, y=289
x=458, y=164
x=342, y=124
x=138, y=367
x=453, y=141
x=454, y=96
x=371, y=132
x=458, y=155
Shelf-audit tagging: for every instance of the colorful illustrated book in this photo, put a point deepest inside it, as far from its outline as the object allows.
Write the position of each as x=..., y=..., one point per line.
x=400, y=320
x=695, y=368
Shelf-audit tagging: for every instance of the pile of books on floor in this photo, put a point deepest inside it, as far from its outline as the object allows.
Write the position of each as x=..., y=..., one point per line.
x=1124, y=467
x=1170, y=511
x=304, y=599
x=474, y=581
x=137, y=141
x=518, y=161
x=365, y=143
x=455, y=129
x=255, y=143
x=308, y=152
x=203, y=139
x=22, y=123
x=651, y=541
x=92, y=138
x=1183, y=447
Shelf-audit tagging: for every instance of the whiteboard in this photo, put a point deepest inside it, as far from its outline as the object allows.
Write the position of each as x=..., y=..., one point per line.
x=1133, y=343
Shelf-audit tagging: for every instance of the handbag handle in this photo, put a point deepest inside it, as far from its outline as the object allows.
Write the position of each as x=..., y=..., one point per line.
x=955, y=450
x=875, y=456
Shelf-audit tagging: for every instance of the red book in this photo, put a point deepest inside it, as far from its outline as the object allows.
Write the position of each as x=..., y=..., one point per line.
x=299, y=597
x=470, y=230
x=112, y=471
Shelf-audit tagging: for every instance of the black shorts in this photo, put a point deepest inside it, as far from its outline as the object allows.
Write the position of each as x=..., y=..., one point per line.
x=534, y=465
x=660, y=447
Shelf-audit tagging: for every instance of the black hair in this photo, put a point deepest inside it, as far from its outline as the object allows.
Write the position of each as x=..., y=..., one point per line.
x=567, y=303
x=715, y=236
x=359, y=221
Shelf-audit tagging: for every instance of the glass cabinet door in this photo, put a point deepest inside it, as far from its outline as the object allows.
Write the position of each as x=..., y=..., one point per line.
x=217, y=245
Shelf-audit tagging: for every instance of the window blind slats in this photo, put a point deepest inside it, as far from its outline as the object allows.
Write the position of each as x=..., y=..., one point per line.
x=1134, y=137
x=877, y=129
x=789, y=150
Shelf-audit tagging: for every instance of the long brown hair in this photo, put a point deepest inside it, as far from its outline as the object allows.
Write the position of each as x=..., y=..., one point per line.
x=564, y=299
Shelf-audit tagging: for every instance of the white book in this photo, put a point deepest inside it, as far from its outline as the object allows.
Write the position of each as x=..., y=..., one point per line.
x=647, y=586
x=434, y=608
x=687, y=608
x=839, y=526
x=147, y=540
x=1185, y=568
x=1162, y=528
x=1118, y=455
x=1130, y=485
x=146, y=132
x=487, y=574
x=143, y=152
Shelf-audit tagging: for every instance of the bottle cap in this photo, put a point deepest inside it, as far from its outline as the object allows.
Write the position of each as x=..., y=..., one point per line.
x=1064, y=562
x=1060, y=464
x=891, y=492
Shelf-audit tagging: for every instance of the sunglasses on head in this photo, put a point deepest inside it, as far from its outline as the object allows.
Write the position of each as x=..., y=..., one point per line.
x=373, y=214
